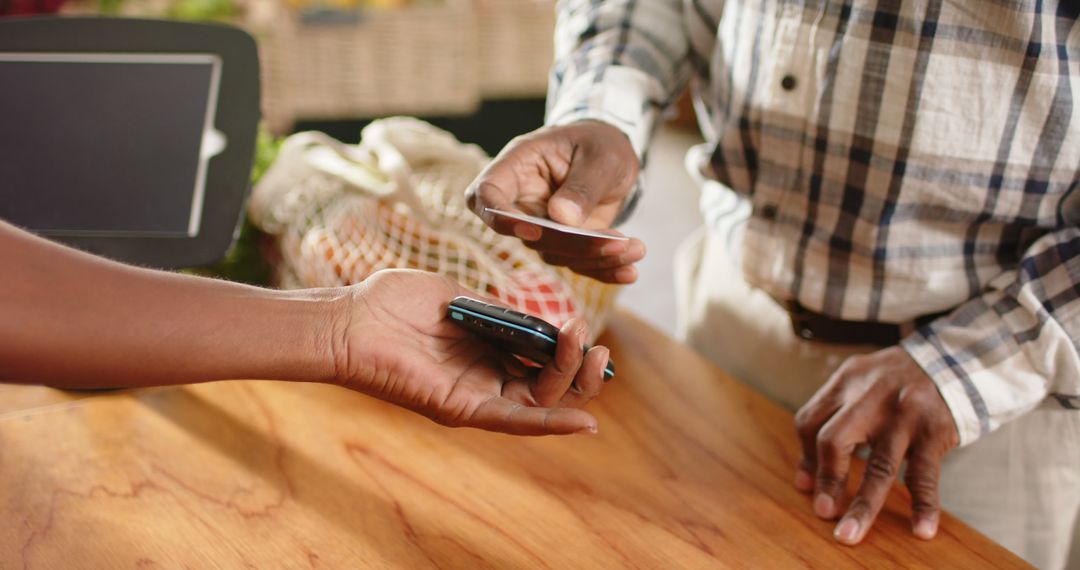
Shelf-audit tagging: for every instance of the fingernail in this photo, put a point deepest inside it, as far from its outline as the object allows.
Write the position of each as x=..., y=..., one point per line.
x=847, y=531
x=616, y=246
x=803, y=481
x=824, y=506
x=626, y=274
x=526, y=232
x=925, y=529
x=588, y=430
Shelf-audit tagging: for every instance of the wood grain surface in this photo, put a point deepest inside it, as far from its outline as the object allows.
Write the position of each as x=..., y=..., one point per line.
x=17, y=399
x=690, y=470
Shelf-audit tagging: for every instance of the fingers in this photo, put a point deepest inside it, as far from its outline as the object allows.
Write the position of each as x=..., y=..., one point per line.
x=577, y=175
x=556, y=377
x=923, y=473
x=484, y=194
x=512, y=365
x=808, y=423
x=829, y=433
x=521, y=177
x=886, y=456
x=506, y=416
x=886, y=399
x=835, y=443
x=589, y=380
x=611, y=263
x=573, y=174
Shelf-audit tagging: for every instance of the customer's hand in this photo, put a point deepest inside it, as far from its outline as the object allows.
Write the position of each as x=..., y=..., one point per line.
x=396, y=344
x=883, y=400
x=579, y=175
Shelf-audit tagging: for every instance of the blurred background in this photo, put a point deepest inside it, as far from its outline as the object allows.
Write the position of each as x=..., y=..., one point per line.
x=476, y=68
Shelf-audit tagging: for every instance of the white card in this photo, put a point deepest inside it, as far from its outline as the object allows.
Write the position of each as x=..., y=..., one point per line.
x=551, y=225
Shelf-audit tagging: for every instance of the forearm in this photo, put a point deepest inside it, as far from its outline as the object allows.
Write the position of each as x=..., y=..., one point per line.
x=75, y=320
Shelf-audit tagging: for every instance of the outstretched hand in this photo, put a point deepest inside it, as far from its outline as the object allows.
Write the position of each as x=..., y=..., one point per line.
x=395, y=343
x=885, y=401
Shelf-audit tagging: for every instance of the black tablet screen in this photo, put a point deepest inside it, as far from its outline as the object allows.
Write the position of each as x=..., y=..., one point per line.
x=105, y=144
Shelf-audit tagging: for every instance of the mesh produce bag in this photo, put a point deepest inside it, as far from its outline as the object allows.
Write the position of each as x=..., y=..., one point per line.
x=396, y=200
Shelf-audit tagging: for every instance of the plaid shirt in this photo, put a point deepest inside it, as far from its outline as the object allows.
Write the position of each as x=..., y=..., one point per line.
x=899, y=158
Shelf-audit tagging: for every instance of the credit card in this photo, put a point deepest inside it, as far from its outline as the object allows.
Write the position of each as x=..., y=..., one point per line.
x=547, y=226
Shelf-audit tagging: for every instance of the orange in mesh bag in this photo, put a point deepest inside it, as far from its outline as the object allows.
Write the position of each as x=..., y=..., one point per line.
x=396, y=200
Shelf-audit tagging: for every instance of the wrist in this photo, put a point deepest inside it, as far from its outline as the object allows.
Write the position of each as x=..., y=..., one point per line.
x=340, y=307
x=303, y=336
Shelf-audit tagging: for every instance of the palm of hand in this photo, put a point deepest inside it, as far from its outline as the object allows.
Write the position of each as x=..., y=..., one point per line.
x=403, y=350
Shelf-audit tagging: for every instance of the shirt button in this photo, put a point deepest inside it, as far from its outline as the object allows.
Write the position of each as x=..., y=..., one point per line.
x=788, y=82
x=769, y=211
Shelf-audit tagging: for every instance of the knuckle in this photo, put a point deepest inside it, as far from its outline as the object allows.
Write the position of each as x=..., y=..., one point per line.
x=804, y=421
x=602, y=157
x=924, y=489
x=829, y=482
x=830, y=444
x=485, y=189
x=917, y=398
x=481, y=193
x=851, y=366
x=449, y=420
x=924, y=505
x=586, y=391
x=908, y=405
x=847, y=365
x=880, y=467
x=523, y=140
x=623, y=171
x=951, y=438
x=577, y=188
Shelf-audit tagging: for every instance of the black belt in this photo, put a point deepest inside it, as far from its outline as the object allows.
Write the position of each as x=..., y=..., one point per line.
x=815, y=326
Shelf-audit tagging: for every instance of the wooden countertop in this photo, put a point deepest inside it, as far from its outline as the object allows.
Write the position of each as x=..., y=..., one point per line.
x=690, y=469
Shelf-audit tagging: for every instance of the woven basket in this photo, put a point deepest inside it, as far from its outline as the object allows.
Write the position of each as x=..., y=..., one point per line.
x=430, y=58
x=417, y=60
x=516, y=46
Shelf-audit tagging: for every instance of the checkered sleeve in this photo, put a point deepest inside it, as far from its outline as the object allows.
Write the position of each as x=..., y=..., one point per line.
x=1004, y=352
x=618, y=61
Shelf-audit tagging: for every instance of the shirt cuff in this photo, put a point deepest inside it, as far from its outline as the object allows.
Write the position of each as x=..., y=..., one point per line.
x=623, y=97
x=952, y=387
x=984, y=377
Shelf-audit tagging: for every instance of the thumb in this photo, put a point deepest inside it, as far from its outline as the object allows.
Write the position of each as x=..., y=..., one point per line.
x=588, y=182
